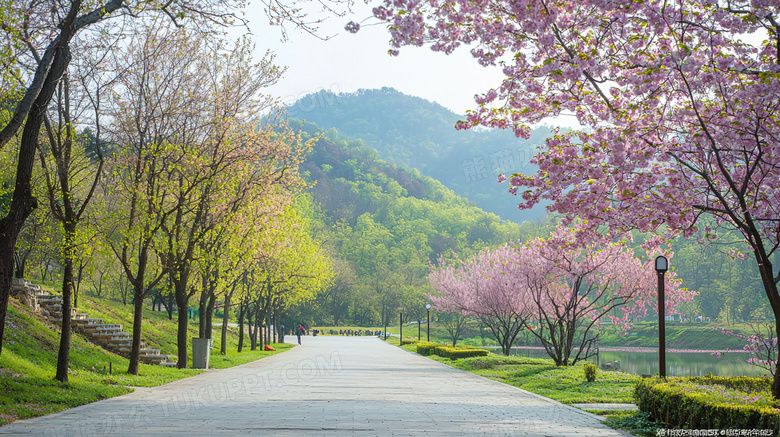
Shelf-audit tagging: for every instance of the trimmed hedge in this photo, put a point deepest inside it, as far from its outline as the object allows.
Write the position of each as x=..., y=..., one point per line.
x=425, y=348
x=699, y=403
x=404, y=342
x=455, y=353
x=742, y=383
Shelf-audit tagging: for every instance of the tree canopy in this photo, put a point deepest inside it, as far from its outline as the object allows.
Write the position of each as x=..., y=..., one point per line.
x=679, y=101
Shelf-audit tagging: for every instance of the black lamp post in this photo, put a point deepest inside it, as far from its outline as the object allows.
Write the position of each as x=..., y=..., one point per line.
x=661, y=266
x=401, y=327
x=428, y=323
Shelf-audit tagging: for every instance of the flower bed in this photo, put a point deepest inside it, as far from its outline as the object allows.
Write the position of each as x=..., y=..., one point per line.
x=710, y=402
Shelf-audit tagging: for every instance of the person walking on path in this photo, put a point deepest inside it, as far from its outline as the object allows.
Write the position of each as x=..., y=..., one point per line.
x=300, y=331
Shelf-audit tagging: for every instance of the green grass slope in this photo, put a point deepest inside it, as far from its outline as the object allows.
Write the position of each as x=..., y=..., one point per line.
x=29, y=359
x=696, y=336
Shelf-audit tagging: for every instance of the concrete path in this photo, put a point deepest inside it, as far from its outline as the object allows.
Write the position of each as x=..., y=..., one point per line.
x=330, y=386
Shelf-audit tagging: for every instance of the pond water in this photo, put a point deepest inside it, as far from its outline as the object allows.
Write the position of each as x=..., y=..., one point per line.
x=645, y=362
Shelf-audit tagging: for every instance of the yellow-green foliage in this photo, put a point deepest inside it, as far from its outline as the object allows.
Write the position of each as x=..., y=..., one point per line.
x=455, y=353
x=742, y=383
x=590, y=371
x=426, y=348
x=702, y=403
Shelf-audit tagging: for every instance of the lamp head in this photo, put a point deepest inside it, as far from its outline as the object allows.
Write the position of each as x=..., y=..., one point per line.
x=661, y=264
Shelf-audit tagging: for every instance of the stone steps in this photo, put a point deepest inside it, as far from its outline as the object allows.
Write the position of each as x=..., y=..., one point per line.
x=108, y=335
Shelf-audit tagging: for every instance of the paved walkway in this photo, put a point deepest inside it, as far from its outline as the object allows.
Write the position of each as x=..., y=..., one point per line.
x=330, y=386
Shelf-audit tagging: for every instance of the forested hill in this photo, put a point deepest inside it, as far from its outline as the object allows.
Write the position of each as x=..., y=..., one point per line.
x=351, y=180
x=416, y=133
x=383, y=224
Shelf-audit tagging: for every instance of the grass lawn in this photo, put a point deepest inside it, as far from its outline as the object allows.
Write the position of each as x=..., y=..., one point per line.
x=564, y=384
x=29, y=359
x=541, y=376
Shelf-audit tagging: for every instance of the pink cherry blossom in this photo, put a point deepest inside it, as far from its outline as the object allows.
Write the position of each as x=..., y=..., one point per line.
x=680, y=116
x=560, y=288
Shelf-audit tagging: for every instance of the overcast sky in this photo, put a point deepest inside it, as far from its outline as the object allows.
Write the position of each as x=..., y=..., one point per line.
x=347, y=62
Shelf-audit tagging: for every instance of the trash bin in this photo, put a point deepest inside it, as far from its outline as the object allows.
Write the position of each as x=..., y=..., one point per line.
x=201, y=351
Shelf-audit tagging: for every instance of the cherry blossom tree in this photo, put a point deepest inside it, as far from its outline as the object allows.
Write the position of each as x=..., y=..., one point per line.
x=559, y=287
x=678, y=100
x=487, y=286
x=576, y=278
x=761, y=345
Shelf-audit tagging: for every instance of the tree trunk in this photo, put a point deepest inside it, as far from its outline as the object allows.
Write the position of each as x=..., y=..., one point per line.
x=63, y=355
x=241, y=309
x=182, y=303
x=269, y=325
x=278, y=325
x=770, y=288
x=225, y=320
x=210, y=315
x=169, y=305
x=253, y=328
x=181, y=336
x=259, y=319
x=267, y=318
x=21, y=263
x=77, y=285
x=23, y=202
x=6, y=277
x=138, y=320
x=202, y=302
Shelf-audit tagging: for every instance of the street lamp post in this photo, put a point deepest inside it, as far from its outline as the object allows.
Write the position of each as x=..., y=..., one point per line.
x=661, y=266
x=401, y=327
x=428, y=323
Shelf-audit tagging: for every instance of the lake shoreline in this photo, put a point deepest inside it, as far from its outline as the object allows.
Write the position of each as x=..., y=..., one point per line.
x=641, y=350
x=679, y=362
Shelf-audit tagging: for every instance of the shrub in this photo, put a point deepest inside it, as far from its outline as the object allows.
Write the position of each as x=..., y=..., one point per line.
x=454, y=353
x=686, y=402
x=404, y=342
x=590, y=372
x=425, y=348
x=742, y=383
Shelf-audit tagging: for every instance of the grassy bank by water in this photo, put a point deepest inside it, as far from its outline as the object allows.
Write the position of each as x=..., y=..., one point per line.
x=29, y=358
x=564, y=384
x=541, y=376
x=699, y=336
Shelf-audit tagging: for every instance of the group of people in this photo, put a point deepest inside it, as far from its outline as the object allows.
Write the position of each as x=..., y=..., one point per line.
x=356, y=332
x=300, y=330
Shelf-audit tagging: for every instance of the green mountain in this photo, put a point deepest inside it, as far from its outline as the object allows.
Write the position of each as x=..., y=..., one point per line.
x=415, y=133
x=383, y=226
